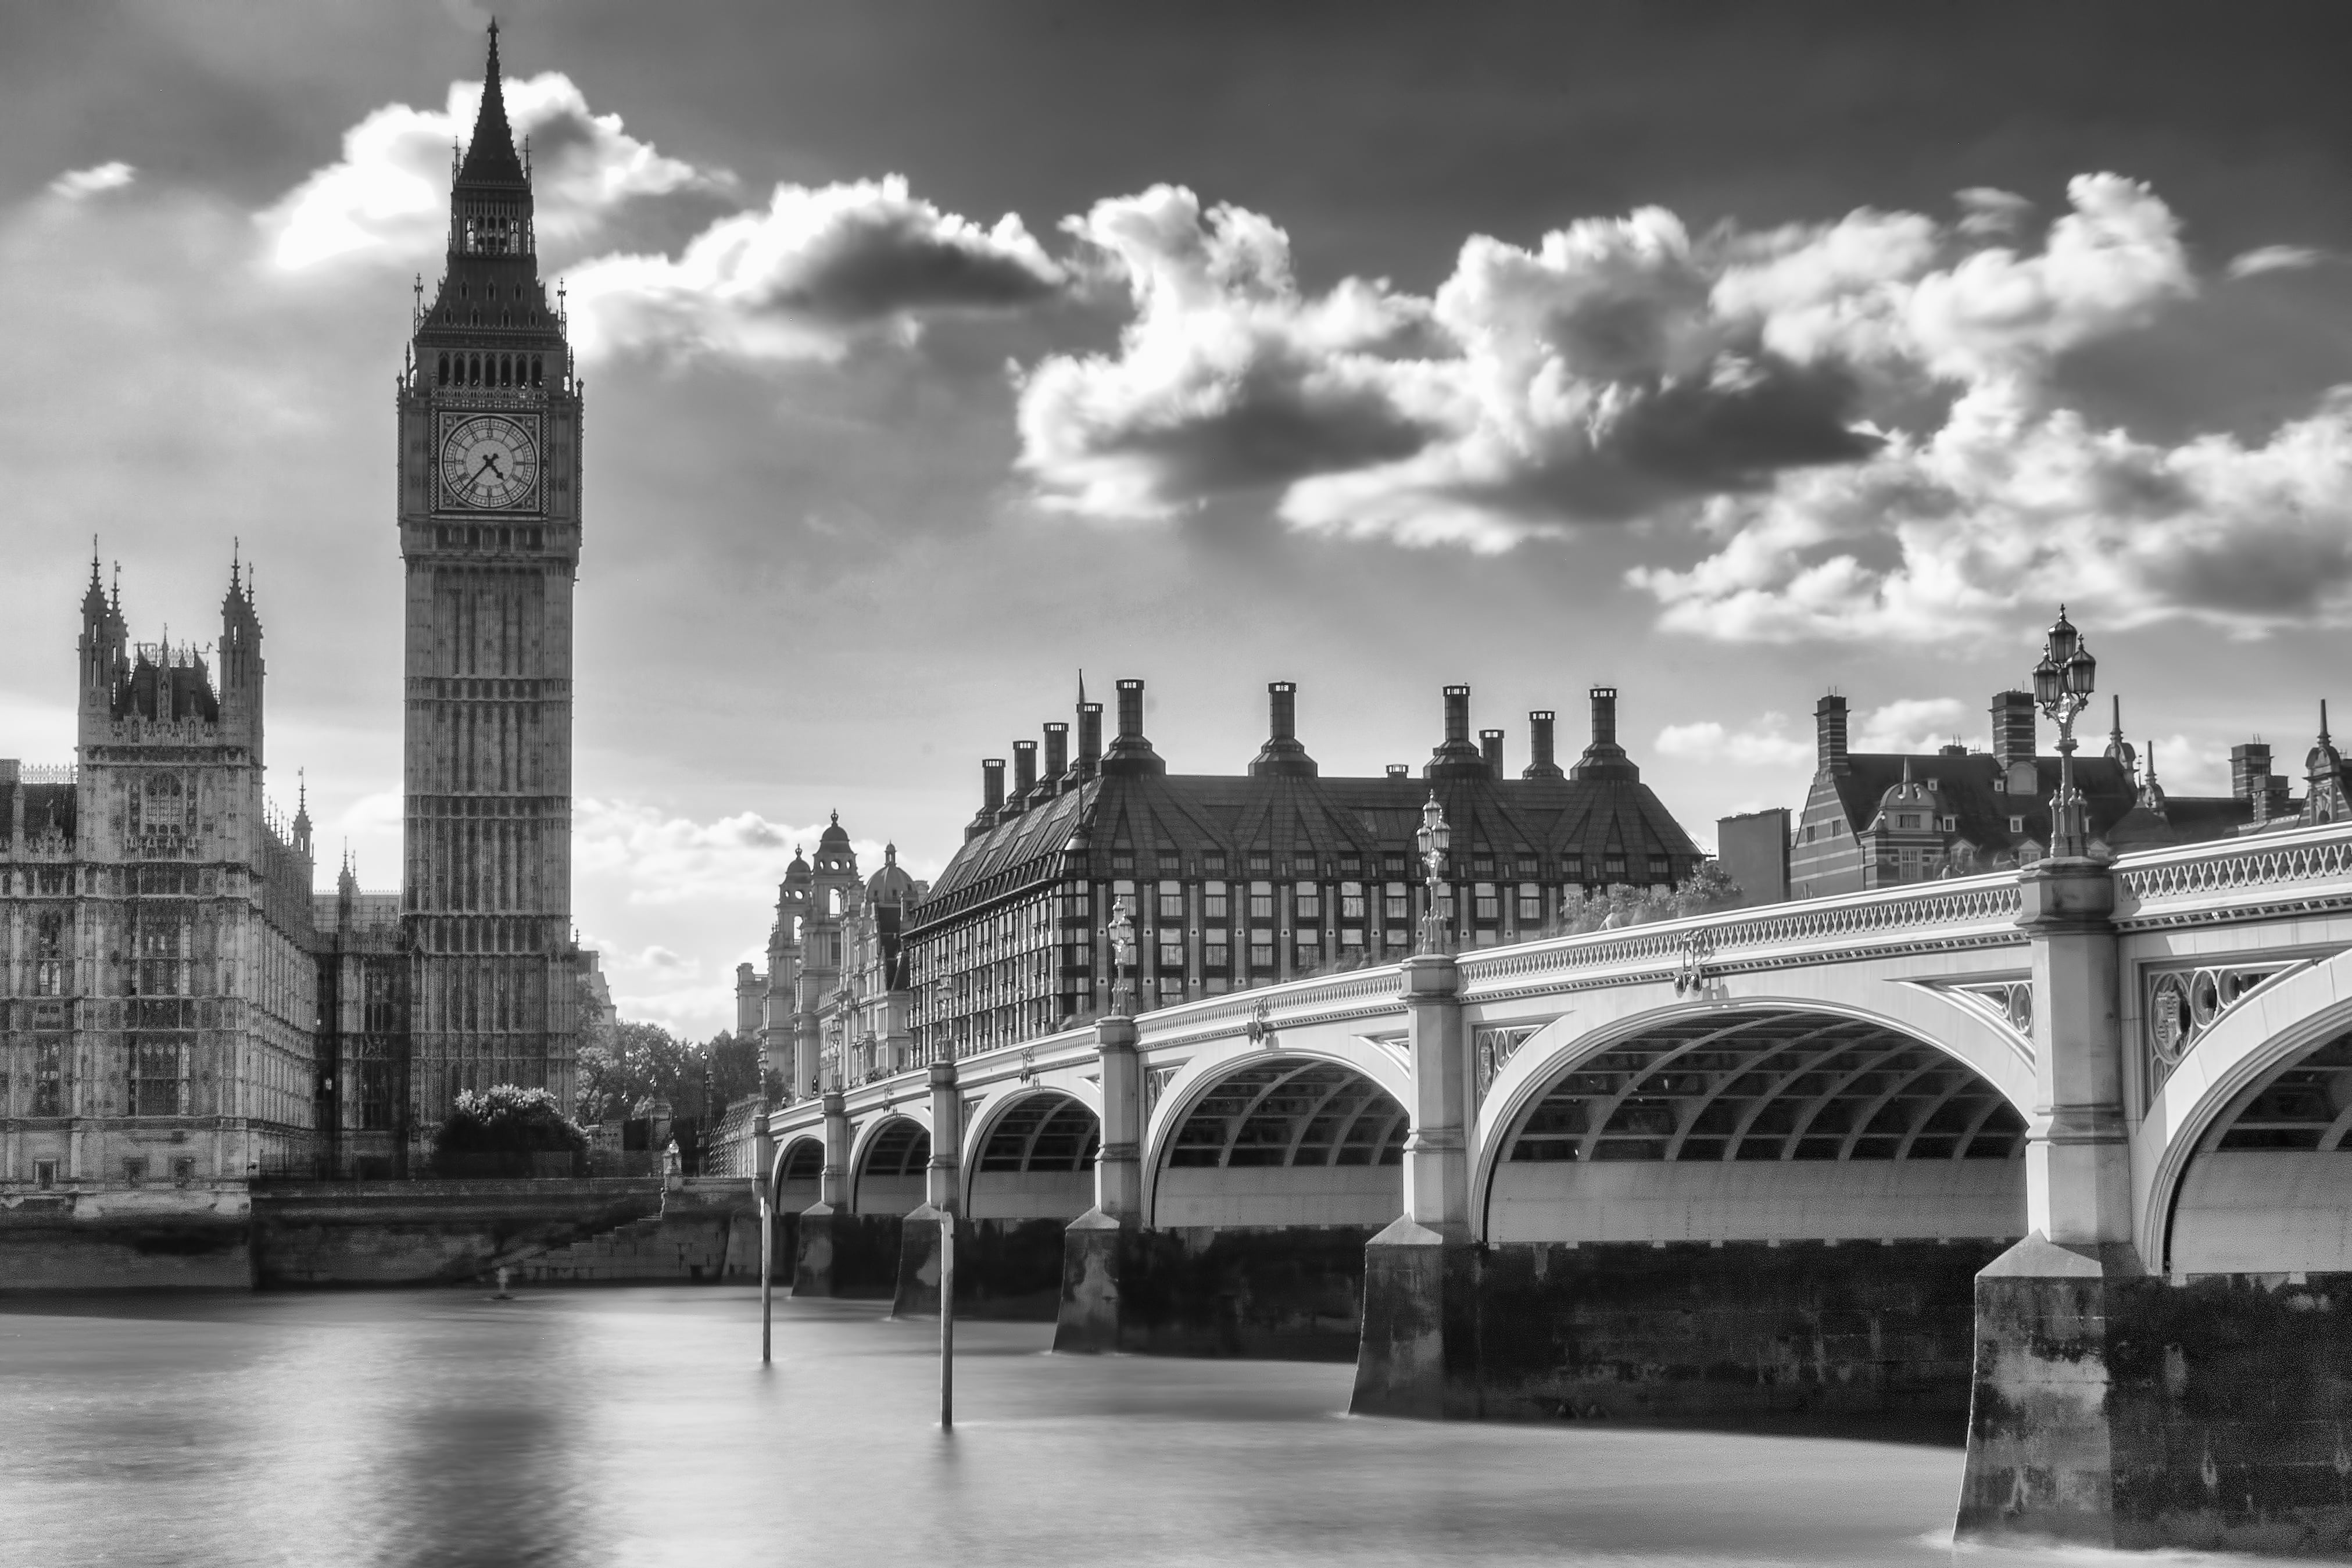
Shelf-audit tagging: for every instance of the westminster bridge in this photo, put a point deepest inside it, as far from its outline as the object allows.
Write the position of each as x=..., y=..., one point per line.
x=2061, y=1153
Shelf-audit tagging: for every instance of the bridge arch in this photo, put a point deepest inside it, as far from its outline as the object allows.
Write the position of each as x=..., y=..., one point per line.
x=1748, y=1122
x=2244, y=1157
x=887, y=1170
x=800, y=1166
x=1277, y=1138
x=1032, y=1156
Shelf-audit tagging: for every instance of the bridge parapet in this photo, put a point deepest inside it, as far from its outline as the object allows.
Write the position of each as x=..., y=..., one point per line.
x=1964, y=912
x=2304, y=871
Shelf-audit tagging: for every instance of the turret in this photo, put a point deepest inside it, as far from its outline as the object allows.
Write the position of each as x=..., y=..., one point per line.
x=240, y=660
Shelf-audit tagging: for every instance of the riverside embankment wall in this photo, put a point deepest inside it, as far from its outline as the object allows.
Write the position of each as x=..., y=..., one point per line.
x=300, y=1235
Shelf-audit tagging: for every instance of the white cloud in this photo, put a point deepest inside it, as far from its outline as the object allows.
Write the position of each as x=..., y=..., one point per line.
x=78, y=184
x=1940, y=538
x=386, y=199
x=798, y=280
x=1586, y=380
x=1768, y=741
x=2273, y=259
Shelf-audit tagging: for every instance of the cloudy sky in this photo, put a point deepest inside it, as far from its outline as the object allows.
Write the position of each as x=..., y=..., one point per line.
x=934, y=353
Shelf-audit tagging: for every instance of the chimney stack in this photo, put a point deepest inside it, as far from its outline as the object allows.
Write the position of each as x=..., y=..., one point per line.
x=2250, y=770
x=1057, y=754
x=1399, y=770
x=1282, y=753
x=991, y=784
x=1457, y=756
x=1024, y=773
x=2013, y=739
x=1828, y=736
x=1129, y=752
x=1603, y=757
x=1089, y=739
x=1540, y=763
x=1490, y=746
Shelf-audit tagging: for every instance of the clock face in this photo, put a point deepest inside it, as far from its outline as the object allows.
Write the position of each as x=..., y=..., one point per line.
x=489, y=462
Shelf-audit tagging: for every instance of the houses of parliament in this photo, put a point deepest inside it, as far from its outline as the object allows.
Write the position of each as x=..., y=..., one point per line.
x=178, y=1008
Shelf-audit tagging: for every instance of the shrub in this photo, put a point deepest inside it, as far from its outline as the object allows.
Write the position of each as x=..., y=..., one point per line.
x=508, y=1120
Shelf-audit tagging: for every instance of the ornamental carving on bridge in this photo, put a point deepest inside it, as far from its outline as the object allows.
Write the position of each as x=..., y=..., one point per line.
x=2184, y=1004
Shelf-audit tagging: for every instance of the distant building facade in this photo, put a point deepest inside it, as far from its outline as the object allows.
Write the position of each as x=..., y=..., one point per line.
x=834, y=1006
x=1234, y=881
x=1885, y=819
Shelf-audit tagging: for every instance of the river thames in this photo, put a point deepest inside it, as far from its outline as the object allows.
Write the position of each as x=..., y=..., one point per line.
x=636, y=1427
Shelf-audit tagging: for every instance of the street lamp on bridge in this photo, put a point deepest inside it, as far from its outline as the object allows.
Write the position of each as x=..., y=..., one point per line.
x=2062, y=688
x=1435, y=838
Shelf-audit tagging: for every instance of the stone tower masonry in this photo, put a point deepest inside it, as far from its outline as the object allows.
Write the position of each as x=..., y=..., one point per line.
x=489, y=415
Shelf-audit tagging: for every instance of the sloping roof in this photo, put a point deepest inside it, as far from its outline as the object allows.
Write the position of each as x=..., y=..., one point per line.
x=1292, y=818
x=1964, y=790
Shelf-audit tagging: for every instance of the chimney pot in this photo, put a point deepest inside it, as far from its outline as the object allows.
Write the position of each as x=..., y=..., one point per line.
x=1457, y=715
x=1090, y=744
x=1131, y=710
x=1057, y=752
x=1282, y=709
x=991, y=783
x=1541, y=762
x=1490, y=746
x=1399, y=770
x=1025, y=769
x=1282, y=753
x=1130, y=753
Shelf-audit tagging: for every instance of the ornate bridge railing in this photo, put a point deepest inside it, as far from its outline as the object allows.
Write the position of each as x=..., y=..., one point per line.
x=2301, y=872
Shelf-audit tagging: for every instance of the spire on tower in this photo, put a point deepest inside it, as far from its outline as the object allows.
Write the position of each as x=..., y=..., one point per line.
x=490, y=156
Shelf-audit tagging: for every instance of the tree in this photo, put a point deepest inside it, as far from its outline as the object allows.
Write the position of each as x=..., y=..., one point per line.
x=623, y=1074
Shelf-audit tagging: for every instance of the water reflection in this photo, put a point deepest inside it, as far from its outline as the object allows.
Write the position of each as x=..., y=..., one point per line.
x=634, y=1427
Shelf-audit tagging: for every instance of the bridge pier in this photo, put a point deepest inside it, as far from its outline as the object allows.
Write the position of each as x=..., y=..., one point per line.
x=1418, y=1353
x=816, y=1249
x=1099, y=1246
x=918, y=1294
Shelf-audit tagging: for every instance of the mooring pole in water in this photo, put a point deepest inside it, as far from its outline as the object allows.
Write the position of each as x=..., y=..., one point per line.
x=947, y=1321
x=767, y=1274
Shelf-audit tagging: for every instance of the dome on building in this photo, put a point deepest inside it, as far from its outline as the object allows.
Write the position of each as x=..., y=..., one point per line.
x=799, y=869
x=891, y=885
x=1908, y=794
x=834, y=836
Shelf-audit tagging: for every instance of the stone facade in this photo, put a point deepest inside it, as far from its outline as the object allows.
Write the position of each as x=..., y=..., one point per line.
x=158, y=996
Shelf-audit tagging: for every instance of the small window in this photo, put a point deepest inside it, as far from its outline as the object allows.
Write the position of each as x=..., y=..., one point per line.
x=1394, y=904
x=45, y=1174
x=135, y=1171
x=1308, y=901
x=1215, y=905
x=2017, y=825
x=184, y=1170
x=1171, y=901
x=1261, y=861
x=1951, y=823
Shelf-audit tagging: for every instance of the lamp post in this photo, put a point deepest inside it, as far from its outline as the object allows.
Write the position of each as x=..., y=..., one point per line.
x=2062, y=689
x=1122, y=958
x=1434, y=838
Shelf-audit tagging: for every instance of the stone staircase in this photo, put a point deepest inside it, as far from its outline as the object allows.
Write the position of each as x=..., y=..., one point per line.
x=700, y=1234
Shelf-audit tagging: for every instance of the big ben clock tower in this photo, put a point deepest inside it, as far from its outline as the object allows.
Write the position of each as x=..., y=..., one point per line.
x=490, y=533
